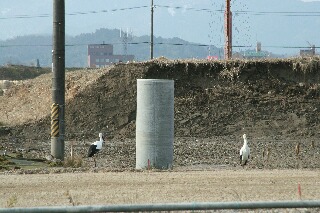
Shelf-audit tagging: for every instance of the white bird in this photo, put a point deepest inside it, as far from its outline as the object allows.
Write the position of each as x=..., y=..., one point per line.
x=95, y=147
x=244, y=151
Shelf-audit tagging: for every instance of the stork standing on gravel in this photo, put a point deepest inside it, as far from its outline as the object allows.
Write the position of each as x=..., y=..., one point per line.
x=95, y=147
x=244, y=151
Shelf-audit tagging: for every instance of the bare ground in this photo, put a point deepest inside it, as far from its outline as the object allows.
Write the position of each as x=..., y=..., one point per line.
x=276, y=103
x=100, y=187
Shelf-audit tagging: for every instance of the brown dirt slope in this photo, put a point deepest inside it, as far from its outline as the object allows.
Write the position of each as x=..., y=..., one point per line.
x=277, y=97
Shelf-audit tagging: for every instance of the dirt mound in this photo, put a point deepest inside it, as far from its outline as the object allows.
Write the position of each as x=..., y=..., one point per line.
x=274, y=99
x=20, y=72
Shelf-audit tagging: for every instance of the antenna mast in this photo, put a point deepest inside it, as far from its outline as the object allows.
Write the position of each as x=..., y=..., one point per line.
x=126, y=37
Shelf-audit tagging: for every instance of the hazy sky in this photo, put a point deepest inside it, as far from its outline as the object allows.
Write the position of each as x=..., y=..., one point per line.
x=278, y=24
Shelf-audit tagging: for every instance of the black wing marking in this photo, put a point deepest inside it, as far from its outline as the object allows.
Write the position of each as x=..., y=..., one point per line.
x=92, y=150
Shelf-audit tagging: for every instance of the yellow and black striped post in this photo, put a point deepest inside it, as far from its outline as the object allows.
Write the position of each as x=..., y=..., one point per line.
x=55, y=120
x=57, y=131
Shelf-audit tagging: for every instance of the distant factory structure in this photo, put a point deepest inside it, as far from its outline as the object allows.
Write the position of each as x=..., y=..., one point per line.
x=308, y=52
x=258, y=53
x=101, y=55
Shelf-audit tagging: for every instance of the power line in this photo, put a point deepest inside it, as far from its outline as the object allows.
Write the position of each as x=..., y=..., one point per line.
x=247, y=12
x=106, y=11
x=26, y=16
x=188, y=8
x=158, y=43
x=278, y=12
x=25, y=45
x=74, y=13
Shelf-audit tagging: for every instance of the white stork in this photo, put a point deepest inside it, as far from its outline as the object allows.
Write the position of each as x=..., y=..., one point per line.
x=95, y=147
x=244, y=151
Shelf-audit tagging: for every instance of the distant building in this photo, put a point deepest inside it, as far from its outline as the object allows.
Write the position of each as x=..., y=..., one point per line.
x=101, y=55
x=254, y=54
x=237, y=55
x=310, y=52
x=258, y=53
x=212, y=57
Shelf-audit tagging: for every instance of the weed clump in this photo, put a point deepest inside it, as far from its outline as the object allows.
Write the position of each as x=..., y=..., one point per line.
x=12, y=201
x=74, y=162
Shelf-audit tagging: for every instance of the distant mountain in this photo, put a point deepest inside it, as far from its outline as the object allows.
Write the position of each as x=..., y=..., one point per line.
x=26, y=50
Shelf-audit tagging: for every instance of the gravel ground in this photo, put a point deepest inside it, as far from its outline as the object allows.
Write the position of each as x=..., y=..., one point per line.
x=266, y=153
x=101, y=187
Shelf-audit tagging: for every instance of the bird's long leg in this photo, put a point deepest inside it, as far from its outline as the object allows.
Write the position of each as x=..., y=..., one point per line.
x=95, y=163
x=297, y=149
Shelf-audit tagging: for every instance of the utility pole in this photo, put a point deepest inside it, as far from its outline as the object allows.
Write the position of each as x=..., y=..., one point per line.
x=58, y=80
x=151, y=37
x=228, y=31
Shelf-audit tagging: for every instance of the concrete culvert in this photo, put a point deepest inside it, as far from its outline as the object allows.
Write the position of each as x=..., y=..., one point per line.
x=154, y=123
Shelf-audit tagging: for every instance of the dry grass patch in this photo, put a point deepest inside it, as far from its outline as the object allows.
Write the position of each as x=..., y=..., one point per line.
x=73, y=161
